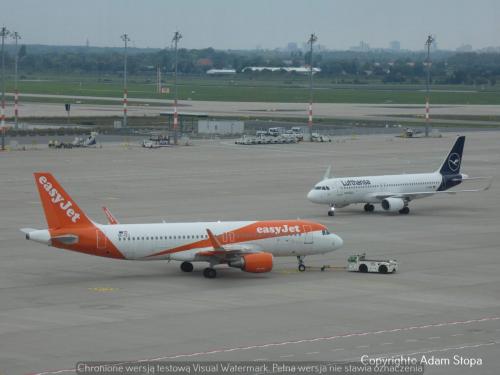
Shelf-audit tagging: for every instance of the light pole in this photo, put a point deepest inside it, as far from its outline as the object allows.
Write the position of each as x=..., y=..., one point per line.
x=313, y=38
x=428, y=43
x=175, y=40
x=125, y=39
x=3, y=33
x=16, y=37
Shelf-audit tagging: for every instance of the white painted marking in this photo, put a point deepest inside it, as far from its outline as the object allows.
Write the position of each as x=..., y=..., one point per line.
x=387, y=343
x=260, y=359
x=312, y=353
x=411, y=340
x=337, y=349
x=434, y=338
x=362, y=346
x=301, y=341
x=286, y=356
x=458, y=334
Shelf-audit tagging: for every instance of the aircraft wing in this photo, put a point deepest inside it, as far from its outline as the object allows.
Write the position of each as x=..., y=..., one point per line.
x=220, y=251
x=421, y=194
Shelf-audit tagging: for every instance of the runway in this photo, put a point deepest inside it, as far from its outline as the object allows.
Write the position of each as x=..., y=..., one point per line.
x=59, y=307
x=344, y=111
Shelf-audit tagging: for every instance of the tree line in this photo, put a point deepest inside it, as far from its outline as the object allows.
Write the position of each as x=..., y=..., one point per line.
x=344, y=66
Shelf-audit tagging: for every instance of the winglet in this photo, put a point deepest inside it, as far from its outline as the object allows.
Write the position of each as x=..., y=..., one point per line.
x=111, y=219
x=215, y=242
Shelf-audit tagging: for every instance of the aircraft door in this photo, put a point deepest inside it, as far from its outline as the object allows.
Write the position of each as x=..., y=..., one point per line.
x=308, y=235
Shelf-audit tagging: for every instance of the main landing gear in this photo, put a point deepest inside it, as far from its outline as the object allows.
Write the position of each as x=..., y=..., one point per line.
x=187, y=267
x=405, y=210
x=331, y=211
x=302, y=266
x=369, y=207
x=209, y=273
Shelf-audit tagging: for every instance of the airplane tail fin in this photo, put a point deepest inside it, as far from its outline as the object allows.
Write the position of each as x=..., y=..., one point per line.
x=451, y=164
x=60, y=210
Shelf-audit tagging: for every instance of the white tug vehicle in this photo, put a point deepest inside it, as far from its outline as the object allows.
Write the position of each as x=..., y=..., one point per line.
x=359, y=263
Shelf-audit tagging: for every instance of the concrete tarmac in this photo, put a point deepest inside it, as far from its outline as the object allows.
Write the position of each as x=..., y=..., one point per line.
x=58, y=307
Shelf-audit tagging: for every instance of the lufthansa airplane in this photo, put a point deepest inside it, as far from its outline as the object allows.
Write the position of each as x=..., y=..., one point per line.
x=393, y=192
x=248, y=245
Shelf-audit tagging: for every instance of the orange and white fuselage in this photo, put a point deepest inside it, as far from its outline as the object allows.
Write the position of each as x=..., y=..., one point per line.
x=249, y=245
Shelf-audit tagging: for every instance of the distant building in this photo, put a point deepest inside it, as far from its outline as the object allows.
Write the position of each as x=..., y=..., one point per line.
x=221, y=71
x=204, y=62
x=292, y=46
x=288, y=69
x=395, y=45
x=221, y=127
x=362, y=47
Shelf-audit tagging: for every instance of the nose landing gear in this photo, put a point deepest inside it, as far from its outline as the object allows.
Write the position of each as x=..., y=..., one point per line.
x=331, y=211
x=302, y=266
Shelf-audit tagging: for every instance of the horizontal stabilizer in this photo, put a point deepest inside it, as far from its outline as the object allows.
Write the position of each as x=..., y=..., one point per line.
x=27, y=230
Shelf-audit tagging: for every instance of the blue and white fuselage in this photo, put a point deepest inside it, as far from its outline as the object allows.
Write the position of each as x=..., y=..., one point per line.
x=392, y=192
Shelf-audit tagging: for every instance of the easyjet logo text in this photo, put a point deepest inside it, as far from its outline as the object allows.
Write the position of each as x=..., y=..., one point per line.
x=57, y=199
x=285, y=228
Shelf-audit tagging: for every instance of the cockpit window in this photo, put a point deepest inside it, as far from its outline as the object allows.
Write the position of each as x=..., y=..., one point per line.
x=325, y=232
x=321, y=188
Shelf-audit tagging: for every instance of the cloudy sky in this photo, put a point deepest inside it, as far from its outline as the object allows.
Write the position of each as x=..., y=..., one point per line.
x=244, y=24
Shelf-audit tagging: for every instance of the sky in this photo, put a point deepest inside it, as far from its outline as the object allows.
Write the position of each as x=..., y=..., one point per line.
x=248, y=24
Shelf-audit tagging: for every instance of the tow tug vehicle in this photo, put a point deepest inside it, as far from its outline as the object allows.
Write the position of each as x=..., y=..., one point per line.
x=359, y=263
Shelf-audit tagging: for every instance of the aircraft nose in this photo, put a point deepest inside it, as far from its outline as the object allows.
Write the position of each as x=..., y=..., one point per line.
x=337, y=241
x=312, y=196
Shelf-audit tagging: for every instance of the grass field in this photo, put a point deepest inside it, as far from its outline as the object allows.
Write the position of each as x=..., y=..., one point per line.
x=265, y=89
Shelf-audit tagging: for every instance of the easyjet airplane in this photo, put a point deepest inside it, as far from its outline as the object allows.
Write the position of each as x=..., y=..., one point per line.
x=248, y=245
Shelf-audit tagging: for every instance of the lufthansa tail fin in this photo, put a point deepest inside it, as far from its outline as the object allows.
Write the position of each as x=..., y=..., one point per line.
x=60, y=210
x=451, y=164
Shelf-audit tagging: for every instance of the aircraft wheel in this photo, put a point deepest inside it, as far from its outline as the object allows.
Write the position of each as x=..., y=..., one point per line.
x=209, y=273
x=369, y=207
x=302, y=268
x=331, y=213
x=405, y=210
x=187, y=267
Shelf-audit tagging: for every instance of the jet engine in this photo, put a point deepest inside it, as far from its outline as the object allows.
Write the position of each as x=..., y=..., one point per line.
x=255, y=263
x=393, y=204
